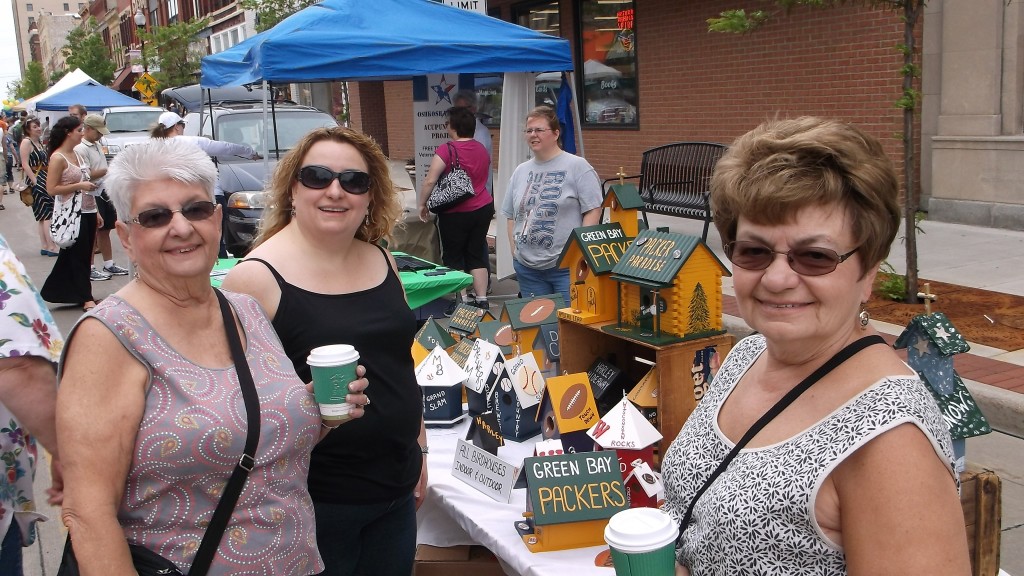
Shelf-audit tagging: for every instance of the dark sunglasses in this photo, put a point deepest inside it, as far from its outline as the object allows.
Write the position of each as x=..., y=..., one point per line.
x=159, y=217
x=318, y=178
x=808, y=261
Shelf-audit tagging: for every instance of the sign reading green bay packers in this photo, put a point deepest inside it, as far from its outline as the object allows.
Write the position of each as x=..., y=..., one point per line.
x=574, y=487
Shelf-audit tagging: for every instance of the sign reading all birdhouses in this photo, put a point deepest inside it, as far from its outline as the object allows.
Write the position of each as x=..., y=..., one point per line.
x=484, y=471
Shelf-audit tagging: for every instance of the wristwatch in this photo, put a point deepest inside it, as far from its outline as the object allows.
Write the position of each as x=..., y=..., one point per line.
x=425, y=450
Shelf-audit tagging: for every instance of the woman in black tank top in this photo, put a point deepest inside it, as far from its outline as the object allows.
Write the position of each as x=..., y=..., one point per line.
x=317, y=270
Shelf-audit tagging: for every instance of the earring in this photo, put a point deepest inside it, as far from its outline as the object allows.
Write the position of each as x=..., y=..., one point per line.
x=864, y=317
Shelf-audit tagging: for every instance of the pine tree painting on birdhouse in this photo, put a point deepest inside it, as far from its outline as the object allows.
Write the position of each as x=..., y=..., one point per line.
x=931, y=341
x=589, y=254
x=670, y=289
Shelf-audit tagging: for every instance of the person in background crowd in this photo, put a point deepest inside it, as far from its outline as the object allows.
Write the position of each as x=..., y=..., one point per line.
x=807, y=210
x=89, y=150
x=78, y=111
x=69, y=281
x=176, y=388
x=547, y=197
x=170, y=125
x=10, y=152
x=34, y=156
x=463, y=227
x=331, y=203
x=468, y=99
x=30, y=344
x=45, y=136
x=5, y=184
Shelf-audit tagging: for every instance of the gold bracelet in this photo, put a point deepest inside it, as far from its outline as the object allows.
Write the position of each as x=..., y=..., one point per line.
x=329, y=427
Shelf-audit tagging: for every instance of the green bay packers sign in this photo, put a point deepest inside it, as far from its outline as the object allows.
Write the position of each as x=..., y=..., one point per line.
x=574, y=487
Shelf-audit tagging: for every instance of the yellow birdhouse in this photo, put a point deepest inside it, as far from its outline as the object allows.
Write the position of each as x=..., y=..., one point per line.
x=590, y=254
x=623, y=201
x=670, y=289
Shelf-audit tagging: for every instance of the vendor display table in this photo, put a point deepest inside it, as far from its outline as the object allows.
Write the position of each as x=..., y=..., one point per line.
x=454, y=513
x=419, y=288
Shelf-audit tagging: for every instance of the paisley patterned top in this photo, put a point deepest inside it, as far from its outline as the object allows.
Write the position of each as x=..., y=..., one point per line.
x=192, y=434
x=26, y=329
x=758, y=516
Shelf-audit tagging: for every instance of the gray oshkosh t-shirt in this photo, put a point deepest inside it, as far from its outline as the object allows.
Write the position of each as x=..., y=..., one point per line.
x=547, y=200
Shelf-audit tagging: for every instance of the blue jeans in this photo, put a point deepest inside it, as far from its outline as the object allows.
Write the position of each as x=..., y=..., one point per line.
x=533, y=282
x=371, y=539
x=10, y=552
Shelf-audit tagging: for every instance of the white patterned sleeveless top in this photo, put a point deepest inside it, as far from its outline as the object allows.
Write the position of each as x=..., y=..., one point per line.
x=757, y=518
x=192, y=433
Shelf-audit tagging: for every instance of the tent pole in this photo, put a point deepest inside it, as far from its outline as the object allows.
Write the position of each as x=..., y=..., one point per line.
x=266, y=155
x=273, y=116
x=576, y=115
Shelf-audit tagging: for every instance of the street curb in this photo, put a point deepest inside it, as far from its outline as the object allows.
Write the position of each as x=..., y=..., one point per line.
x=1003, y=409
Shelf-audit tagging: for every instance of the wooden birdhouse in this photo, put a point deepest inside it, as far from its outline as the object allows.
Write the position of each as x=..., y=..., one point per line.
x=547, y=343
x=569, y=499
x=498, y=332
x=643, y=485
x=623, y=202
x=567, y=411
x=626, y=431
x=465, y=319
x=520, y=386
x=527, y=315
x=608, y=383
x=429, y=336
x=485, y=367
x=645, y=396
x=590, y=254
x=440, y=381
x=931, y=341
x=670, y=289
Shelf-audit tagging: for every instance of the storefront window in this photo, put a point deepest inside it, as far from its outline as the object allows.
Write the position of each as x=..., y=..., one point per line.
x=608, y=47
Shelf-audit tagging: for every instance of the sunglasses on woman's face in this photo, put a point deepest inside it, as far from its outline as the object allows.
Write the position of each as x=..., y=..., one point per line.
x=808, y=261
x=318, y=178
x=160, y=217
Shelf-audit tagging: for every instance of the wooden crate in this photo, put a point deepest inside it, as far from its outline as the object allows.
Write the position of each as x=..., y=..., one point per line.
x=981, y=499
x=581, y=344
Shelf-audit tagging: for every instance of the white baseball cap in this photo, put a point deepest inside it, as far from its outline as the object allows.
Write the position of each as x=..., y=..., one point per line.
x=169, y=119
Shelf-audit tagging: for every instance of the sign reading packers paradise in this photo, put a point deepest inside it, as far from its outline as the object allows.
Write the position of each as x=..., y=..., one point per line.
x=574, y=487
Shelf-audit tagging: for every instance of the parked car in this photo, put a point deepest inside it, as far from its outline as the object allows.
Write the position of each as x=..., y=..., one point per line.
x=243, y=180
x=190, y=97
x=128, y=125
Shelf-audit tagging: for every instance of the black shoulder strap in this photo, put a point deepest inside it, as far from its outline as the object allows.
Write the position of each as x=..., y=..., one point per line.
x=277, y=275
x=783, y=403
x=219, y=522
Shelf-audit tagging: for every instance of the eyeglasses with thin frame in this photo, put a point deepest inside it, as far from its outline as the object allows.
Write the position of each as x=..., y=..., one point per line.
x=536, y=130
x=320, y=177
x=807, y=260
x=159, y=217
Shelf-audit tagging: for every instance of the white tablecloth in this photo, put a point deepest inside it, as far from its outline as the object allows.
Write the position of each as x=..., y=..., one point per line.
x=454, y=513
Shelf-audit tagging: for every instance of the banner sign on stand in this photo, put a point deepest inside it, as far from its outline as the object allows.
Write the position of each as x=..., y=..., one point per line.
x=575, y=487
x=485, y=472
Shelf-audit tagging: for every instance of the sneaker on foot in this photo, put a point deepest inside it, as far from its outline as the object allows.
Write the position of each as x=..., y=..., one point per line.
x=451, y=308
x=97, y=276
x=482, y=304
x=115, y=270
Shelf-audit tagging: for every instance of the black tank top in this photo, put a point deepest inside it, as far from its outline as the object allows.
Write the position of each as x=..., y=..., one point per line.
x=377, y=457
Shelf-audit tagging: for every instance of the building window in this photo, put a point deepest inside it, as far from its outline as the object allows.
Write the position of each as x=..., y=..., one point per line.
x=223, y=40
x=31, y=21
x=608, y=50
x=541, y=17
x=67, y=7
x=28, y=8
x=172, y=11
x=81, y=6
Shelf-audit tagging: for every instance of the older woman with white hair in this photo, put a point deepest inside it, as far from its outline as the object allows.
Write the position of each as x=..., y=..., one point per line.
x=151, y=443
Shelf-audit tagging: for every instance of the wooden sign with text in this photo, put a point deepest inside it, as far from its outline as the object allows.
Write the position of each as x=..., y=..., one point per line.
x=484, y=471
x=574, y=487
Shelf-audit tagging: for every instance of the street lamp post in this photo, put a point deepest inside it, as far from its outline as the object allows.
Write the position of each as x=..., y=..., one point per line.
x=140, y=24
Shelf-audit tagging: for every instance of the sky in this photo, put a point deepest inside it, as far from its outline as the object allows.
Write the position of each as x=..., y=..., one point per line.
x=9, y=69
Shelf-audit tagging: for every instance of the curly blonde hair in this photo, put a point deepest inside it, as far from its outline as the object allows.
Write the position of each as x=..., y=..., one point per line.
x=385, y=208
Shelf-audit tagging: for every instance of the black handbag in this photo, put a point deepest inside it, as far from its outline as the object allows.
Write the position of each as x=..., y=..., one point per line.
x=149, y=563
x=452, y=188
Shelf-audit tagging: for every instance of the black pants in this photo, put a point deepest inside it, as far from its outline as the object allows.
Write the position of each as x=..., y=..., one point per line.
x=68, y=282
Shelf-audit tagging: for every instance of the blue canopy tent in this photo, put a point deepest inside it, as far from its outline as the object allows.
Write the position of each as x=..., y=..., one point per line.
x=383, y=40
x=90, y=94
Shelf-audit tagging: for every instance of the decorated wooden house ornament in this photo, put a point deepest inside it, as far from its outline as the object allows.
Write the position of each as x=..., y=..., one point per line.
x=607, y=381
x=931, y=341
x=567, y=411
x=547, y=343
x=590, y=254
x=645, y=396
x=670, y=289
x=625, y=430
x=485, y=368
x=429, y=336
x=527, y=315
x=498, y=332
x=643, y=485
x=440, y=381
x=623, y=202
x=465, y=320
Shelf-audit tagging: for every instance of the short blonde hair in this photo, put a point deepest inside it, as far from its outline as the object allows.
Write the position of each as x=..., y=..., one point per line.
x=773, y=171
x=385, y=208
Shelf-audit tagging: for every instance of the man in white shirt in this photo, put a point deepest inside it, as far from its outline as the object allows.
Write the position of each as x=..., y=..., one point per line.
x=89, y=149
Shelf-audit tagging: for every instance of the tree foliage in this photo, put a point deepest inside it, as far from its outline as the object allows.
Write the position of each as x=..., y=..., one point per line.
x=175, y=52
x=738, y=21
x=32, y=82
x=270, y=12
x=85, y=50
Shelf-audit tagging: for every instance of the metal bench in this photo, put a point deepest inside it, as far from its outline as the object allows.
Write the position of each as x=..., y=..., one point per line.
x=675, y=179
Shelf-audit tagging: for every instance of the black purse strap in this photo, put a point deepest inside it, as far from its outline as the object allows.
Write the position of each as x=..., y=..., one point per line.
x=453, y=152
x=219, y=522
x=783, y=403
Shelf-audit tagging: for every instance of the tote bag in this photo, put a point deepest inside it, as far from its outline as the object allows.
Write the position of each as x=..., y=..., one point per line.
x=66, y=220
x=453, y=188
